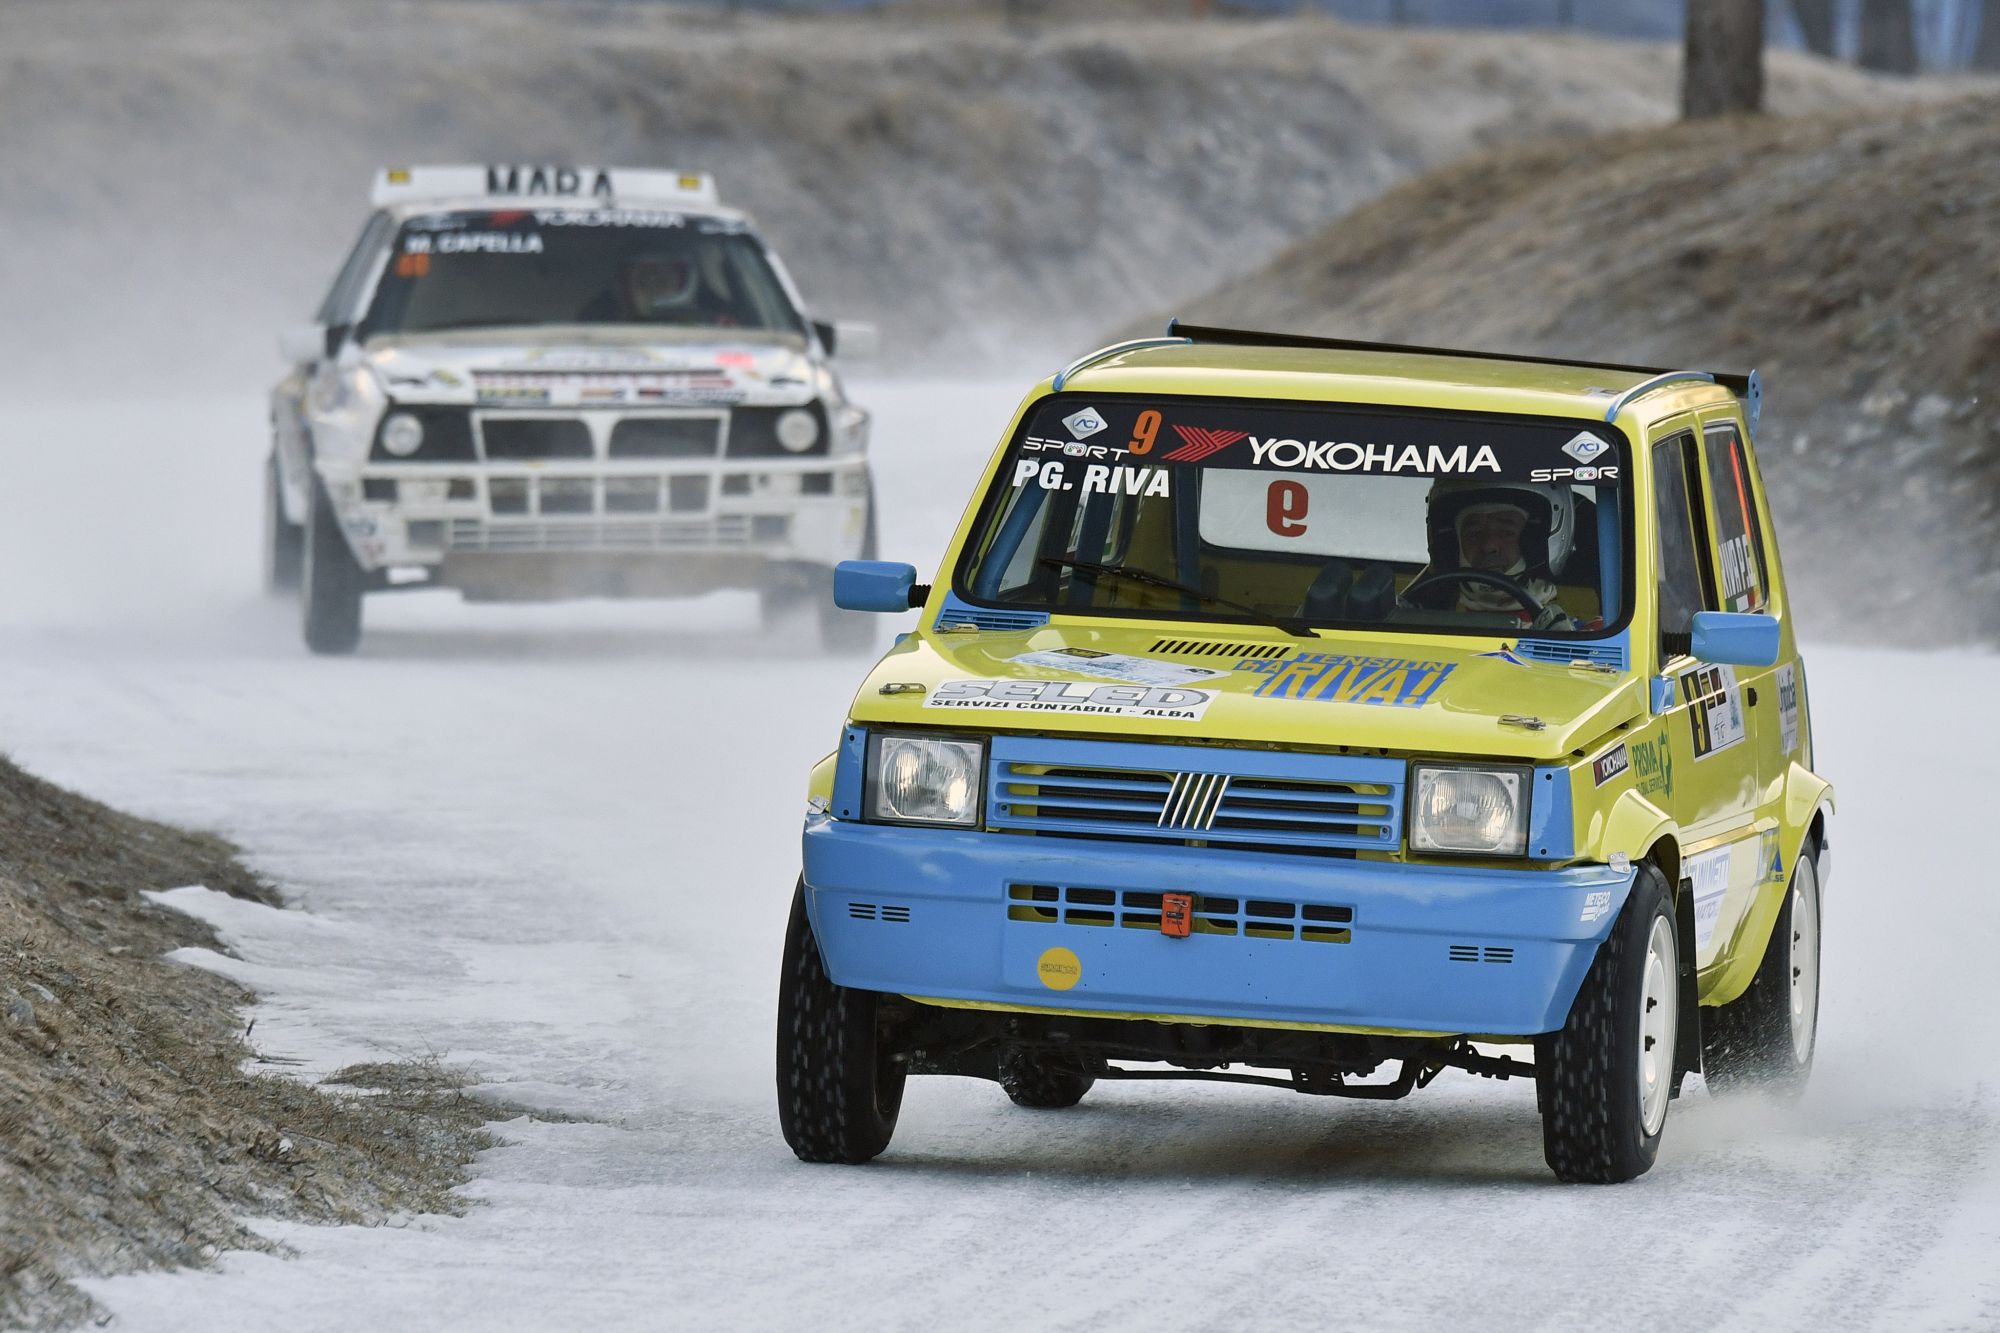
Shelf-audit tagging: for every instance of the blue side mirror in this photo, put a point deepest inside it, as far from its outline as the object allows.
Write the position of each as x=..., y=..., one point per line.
x=1735, y=638
x=873, y=585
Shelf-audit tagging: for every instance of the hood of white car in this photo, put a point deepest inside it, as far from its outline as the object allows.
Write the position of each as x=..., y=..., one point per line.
x=581, y=367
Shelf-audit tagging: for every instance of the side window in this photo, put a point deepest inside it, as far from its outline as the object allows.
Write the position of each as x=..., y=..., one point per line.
x=1739, y=542
x=338, y=307
x=1686, y=585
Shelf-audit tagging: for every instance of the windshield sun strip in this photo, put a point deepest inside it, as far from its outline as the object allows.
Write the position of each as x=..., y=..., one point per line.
x=977, y=580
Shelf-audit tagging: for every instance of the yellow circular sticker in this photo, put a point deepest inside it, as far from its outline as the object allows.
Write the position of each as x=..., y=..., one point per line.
x=1059, y=969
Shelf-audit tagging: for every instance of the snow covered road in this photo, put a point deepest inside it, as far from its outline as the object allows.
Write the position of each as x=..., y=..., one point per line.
x=557, y=845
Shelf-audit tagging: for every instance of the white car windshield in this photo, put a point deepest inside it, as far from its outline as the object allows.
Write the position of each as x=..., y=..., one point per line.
x=1307, y=514
x=577, y=266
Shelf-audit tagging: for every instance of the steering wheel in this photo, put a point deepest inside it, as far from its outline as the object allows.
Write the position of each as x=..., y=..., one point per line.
x=1512, y=587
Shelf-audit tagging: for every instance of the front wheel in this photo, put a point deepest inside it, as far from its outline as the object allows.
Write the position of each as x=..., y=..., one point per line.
x=333, y=582
x=839, y=1090
x=1606, y=1077
x=1764, y=1038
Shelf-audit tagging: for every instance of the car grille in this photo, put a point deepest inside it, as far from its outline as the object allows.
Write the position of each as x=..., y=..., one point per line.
x=667, y=437
x=472, y=534
x=1192, y=794
x=535, y=437
x=1136, y=909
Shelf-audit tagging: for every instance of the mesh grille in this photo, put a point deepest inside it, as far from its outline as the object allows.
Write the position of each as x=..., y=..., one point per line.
x=471, y=534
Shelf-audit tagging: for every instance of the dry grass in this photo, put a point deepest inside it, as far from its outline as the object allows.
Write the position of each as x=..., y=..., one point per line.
x=130, y=1135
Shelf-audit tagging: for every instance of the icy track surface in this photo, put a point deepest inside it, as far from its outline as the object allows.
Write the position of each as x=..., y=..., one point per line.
x=556, y=845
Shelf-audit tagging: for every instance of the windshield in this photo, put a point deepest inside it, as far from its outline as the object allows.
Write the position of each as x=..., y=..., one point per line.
x=1307, y=515
x=577, y=266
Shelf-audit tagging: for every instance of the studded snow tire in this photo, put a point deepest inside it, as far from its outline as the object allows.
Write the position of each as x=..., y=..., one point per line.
x=1590, y=1072
x=332, y=583
x=838, y=1090
x=1757, y=1041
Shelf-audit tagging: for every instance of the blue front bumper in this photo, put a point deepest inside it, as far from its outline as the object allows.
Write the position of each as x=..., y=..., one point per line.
x=954, y=914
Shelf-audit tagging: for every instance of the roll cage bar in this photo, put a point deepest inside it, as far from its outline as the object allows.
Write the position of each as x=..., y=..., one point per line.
x=1749, y=388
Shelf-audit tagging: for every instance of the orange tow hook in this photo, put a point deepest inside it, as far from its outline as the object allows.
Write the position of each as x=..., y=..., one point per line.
x=1177, y=914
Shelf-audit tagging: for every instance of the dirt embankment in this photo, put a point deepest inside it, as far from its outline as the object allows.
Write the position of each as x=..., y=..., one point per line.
x=183, y=179
x=130, y=1134
x=1854, y=260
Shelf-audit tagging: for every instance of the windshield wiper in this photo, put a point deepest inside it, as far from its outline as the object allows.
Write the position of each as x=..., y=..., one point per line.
x=1286, y=623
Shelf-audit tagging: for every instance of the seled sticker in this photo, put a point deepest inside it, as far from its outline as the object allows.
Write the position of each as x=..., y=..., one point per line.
x=1064, y=696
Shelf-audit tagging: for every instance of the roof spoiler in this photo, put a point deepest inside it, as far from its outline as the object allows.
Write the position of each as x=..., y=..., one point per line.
x=1749, y=388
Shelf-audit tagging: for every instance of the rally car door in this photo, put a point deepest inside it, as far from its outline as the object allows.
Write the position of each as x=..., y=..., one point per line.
x=1703, y=737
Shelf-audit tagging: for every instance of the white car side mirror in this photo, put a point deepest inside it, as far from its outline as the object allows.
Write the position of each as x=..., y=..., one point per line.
x=856, y=343
x=303, y=344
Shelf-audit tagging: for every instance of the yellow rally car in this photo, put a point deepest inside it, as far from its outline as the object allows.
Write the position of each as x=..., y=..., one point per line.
x=1333, y=709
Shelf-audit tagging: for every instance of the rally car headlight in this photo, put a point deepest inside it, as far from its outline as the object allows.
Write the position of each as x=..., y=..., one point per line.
x=1475, y=810
x=924, y=780
x=798, y=430
x=402, y=434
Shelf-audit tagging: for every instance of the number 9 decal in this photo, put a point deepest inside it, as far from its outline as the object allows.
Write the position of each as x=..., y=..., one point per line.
x=1145, y=430
x=1285, y=508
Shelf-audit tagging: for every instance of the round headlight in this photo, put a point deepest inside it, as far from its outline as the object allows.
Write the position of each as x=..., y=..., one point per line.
x=798, y=430
x=402, y=434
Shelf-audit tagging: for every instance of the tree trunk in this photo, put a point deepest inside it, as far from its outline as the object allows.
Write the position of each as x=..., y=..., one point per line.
x=1986, y=54
x=1815, y=25
x=1723, y=71
x=1888, y=37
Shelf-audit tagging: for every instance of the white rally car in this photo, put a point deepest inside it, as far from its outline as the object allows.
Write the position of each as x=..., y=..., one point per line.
x=548, y=382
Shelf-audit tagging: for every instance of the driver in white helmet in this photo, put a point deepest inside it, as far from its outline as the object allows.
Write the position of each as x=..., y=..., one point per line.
x=1523, y=531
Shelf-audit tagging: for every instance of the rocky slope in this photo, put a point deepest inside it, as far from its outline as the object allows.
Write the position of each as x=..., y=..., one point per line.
x=183, y=179
x=1854, y=259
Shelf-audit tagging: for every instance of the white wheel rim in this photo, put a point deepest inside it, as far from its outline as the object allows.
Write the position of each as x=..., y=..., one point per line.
x=1658, y=1008
x=1804, y=960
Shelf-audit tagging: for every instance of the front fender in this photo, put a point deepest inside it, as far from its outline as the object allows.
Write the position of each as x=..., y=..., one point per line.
x=1806, y=794
x=819, y=785
x=1632, y=826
